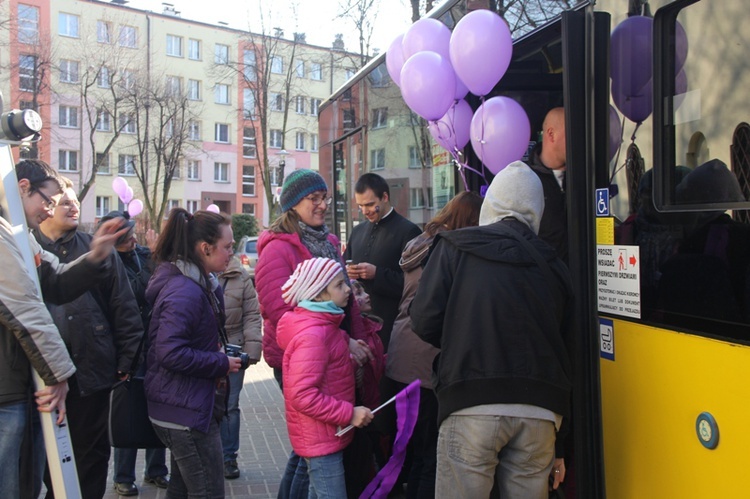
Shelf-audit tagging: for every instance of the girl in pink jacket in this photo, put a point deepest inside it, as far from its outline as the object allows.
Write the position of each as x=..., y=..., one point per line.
x=318, y=373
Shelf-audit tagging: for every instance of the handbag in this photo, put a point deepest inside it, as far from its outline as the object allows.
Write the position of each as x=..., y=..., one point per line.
x=129, y=426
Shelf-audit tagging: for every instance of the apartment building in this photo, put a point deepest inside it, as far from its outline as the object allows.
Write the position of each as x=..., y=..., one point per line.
x=162, y=100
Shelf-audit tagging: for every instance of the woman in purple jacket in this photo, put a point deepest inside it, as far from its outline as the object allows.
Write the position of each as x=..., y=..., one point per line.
x=187, y=366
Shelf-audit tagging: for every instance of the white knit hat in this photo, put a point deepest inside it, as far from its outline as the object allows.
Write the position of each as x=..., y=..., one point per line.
x=309, y=279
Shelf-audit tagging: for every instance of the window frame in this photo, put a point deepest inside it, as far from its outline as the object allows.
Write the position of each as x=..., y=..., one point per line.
x=218, y=133
x=67, y=116
x=72, y=30
x=174, y=45
x=218, y=166
x=64, y=157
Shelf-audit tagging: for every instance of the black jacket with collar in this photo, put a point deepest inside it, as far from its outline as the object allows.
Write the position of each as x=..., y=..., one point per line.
x=553, y=227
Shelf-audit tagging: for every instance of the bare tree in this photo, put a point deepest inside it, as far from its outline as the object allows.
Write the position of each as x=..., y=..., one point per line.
x=363, y=14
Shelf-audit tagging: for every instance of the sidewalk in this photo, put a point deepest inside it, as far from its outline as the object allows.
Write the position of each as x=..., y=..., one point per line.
x=264, y=445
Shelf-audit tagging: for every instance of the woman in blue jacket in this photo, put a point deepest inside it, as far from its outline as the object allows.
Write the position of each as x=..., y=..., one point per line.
x=186, y=365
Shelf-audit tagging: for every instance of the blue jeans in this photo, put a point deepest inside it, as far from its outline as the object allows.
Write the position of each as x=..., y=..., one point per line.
x=295, y=483
x=15, y=437
x=197, y=467
x=327, y=476
x=125, y=464
x=230, y=424
x=472, y=449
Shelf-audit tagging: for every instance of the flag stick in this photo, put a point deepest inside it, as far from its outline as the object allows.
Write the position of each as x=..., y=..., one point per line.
x=342, y=432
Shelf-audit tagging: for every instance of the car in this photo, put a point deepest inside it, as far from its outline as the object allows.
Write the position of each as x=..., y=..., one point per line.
x=248, y=254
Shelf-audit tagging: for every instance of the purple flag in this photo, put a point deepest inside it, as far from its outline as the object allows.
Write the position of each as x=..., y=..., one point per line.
x=407, y=408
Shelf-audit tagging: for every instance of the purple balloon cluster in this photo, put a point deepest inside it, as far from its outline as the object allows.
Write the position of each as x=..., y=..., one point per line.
x=631, y=49
x=435, y=69
x=125, y=193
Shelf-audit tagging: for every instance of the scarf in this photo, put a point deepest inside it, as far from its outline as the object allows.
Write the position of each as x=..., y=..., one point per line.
x=316, y=241
x=327, y=307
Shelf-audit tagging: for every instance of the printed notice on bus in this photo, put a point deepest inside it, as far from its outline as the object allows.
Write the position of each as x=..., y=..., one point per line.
x=618, y=280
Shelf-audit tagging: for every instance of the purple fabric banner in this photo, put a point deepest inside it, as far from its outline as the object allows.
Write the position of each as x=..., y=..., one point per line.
x=407, y=408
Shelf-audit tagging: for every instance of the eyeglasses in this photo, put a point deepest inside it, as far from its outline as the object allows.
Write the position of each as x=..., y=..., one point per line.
x=316, y=200
x=49, y=203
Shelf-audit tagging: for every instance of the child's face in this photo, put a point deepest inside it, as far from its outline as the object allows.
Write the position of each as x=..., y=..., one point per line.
x=363, y=299
x=337, y=291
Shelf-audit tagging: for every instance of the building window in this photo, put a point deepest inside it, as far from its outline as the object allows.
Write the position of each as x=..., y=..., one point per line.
x=194, y=90
x=300, y=142
x=314, y=106
x=377, y=159
x=192, y=206
x=69, y=71
x=301, y=104
x=169, y=129
x=103, y=32
x=171, y=205
x=128, y=37
x=349, y=119
x=221, y=133
x=221, y=93
x=68, y=117
x=248, y=180
x=379, y=117
x=221, y=54
x=103, y=123
x=194, y=49
x=416, y=197
x=177, y=172
x=127, y=79
x=277, y=64
x=193, y=169
x=67, y=25
x=221, y=172
x=248, y=209
x=104, y=78
x=316, y=71
x=28, y=24
x=248, y=103
x=350, y=72
x=127, y=123
x=276, y=101
x=126, y=164
x=102, y=206
x=194, y=130
x=174, y=45
x=314, y=142
x=174, y=86
x=67, y=161
x=249, y=69
x=276, y=139
x=27, y=73
x=275, y=173
x=300, y=69
x=414, y=161
x=102, y=164
x=248, y=142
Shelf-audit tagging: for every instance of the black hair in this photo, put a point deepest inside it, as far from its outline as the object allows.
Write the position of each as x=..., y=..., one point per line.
x=372, y=181
x=183, y=231
x=38, y=173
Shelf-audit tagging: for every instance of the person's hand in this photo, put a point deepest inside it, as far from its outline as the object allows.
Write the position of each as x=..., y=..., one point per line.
x=360, y=352
x=362, y=270
x=151, y=237
x=52, y=397
x=234, y=364
x=362, y=416
x=106, y=238
x=558, y=472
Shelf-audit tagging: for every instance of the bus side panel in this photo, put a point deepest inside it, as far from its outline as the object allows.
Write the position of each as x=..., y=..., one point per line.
x=652, y=393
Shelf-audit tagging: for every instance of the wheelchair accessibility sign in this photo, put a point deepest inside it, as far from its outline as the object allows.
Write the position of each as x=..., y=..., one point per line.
x=602, y=202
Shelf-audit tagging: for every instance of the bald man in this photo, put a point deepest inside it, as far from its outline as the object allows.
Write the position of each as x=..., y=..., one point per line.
x=548, y=162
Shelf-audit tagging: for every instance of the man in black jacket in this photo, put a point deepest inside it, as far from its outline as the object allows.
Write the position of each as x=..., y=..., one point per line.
x=101, y=330
x=497, y=301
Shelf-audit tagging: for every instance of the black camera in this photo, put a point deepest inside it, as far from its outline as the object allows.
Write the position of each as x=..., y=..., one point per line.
x=236, y=351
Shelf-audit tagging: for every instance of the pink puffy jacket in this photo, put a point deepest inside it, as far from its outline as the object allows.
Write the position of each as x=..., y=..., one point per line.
x=318, y=377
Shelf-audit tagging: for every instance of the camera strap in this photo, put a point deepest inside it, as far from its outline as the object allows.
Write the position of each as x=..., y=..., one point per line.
x=219, y=316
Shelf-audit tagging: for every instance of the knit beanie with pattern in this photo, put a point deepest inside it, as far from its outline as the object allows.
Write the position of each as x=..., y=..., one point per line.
x=309, y=279
x=298, y=184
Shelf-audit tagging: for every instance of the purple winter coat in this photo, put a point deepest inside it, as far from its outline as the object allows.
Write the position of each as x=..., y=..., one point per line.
x=184, y=359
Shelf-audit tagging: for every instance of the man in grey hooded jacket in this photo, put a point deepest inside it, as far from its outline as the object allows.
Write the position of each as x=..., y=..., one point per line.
x=496, y=300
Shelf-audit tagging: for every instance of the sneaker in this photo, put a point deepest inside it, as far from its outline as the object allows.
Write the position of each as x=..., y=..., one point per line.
x=126, y=489
x=231, y=471
x=160, y=481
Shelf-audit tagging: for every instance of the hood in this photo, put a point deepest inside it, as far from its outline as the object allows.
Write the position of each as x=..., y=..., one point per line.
x=233, y=269
x=415, y=251
x=488, y=243
x=267, y=236
x=293, y=323
x=515, y=192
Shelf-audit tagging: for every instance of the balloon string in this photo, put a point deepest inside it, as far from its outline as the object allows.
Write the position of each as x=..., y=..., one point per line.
x=635, y=130
x=481, y=139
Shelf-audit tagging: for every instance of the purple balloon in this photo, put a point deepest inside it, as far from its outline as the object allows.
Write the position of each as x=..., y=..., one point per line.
x=500, y=132
x=480, y=50
x=452, y=131
x=680, y=46
x=426, y=34
x=631, y=49
x=615, y=132
x=428, y=84
x=635, y=107
x=680, y=82
x=394, y=59
x=135, y=207
x=127, y=196
x=119, y=185
x=461, y=89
